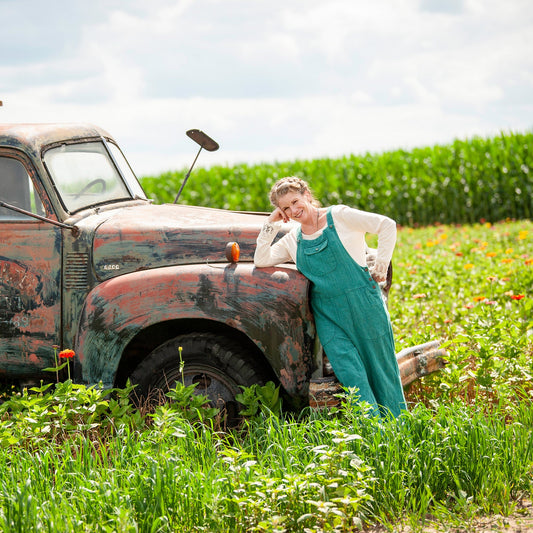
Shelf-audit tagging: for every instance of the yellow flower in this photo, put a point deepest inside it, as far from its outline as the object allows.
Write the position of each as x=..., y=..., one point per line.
x=509, y=251
x=523, y=234
x=491, y=254
x=468, y=266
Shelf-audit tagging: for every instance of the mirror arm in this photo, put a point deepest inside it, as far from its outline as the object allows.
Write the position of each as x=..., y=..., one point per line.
x=187, y=176
x=74, y=229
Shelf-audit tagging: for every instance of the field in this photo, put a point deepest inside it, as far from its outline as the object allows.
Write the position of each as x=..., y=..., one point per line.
x=77, y=459
x=464, y=182
x=72, y=459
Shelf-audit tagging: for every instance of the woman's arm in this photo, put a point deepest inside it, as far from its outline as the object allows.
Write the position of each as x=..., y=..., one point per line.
x=384, y=227
x=268, y=254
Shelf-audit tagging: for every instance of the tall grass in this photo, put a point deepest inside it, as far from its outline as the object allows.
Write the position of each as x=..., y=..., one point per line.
x=319, y=472
x=463, y=182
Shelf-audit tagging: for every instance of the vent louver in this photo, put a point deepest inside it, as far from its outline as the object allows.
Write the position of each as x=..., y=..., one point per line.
x=76, y=271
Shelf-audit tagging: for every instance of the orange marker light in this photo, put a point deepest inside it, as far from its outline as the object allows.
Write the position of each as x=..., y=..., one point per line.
x=233, y=251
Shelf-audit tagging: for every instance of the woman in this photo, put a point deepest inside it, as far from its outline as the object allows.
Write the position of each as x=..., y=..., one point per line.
x=351, y=317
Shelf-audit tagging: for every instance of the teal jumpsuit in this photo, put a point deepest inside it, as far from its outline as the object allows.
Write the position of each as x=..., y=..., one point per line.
x=352, y=320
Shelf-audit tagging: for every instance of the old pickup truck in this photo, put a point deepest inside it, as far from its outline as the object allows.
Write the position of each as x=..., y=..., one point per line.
x=141, y=291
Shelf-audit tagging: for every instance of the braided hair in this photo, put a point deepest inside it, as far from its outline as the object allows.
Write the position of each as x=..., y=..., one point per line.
x=290, y=184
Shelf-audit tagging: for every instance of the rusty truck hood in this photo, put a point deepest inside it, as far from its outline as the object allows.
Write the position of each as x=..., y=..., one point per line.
x=149, y=236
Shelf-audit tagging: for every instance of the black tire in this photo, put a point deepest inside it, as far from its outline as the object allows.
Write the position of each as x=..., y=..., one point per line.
x=216, y=363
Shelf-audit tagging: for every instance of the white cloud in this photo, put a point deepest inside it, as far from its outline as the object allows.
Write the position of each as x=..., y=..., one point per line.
x=271, y=79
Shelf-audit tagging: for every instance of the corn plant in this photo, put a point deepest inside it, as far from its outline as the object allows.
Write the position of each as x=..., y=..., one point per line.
x=463, y=182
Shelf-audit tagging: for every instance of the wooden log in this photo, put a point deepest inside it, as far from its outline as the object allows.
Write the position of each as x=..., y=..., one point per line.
x=323, y=392
x=414, y=363
x=419, y=361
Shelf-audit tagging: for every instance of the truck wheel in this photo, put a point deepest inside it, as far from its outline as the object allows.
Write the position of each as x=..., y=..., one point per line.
x=217, y=364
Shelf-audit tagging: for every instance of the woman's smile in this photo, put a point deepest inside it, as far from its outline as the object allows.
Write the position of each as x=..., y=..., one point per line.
x=296, y=206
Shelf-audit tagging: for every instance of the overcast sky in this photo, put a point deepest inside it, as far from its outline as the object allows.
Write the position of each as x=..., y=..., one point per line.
x=270, y=80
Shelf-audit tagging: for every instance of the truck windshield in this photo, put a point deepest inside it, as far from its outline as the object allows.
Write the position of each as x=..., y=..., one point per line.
x=85, y=175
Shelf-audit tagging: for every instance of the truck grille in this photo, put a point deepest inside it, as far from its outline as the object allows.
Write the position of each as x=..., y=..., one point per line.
x=76, y=271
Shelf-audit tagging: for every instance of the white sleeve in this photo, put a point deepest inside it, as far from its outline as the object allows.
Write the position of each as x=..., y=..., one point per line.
x=384, y=227
x=268, y=254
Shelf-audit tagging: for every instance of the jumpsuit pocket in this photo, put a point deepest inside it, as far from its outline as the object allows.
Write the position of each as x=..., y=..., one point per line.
x=323, y=261
x=368, y=313
x=359, y=312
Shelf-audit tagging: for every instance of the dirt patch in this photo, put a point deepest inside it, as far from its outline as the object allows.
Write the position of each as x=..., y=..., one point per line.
x=521, y=521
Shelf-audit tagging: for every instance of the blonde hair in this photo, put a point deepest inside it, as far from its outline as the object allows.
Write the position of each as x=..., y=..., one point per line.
x=290, y=184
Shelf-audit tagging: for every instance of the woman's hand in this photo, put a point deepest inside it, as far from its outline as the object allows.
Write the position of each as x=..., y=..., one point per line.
x=277, y=215
x=379, y=272
x=379, y=278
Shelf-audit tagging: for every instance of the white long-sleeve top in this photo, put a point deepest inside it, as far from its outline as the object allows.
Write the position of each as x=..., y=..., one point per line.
x=351, y=225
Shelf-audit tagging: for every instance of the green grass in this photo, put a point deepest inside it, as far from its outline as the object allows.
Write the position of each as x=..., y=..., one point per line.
x=76, y=459
x=319, y=472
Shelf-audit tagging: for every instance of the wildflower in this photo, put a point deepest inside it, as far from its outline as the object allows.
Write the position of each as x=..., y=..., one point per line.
x=469, y=306
x=507, y=260
x=68, y=355
x=509, y=251
x=517, y=296
x=492, y=279
x=529, y=261
x=491, y=254
x=523, y=235
x=468, y=266
x=479, y=298
x=489, y=302
x=420, y=295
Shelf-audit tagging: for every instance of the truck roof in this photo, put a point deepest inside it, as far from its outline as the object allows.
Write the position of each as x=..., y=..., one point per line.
x=36, y=136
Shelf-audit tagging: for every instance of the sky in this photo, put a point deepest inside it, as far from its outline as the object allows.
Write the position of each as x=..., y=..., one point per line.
x=269, y=80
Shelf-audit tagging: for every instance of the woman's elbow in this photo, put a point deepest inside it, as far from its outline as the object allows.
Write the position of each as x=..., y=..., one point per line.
x=260, y=262
x=390, y=225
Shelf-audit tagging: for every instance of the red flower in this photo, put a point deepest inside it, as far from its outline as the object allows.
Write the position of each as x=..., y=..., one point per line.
x=67, y=354
x=517, y=296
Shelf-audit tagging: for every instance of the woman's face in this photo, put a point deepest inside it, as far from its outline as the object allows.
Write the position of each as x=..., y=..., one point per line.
x=296, y=206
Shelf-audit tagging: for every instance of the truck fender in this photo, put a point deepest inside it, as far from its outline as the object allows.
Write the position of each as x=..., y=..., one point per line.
x=269, y=305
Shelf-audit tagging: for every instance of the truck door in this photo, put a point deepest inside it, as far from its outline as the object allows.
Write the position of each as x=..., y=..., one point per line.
x=30, y=286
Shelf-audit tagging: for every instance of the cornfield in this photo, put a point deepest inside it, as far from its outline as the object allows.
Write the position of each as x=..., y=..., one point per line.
x=463, y=182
